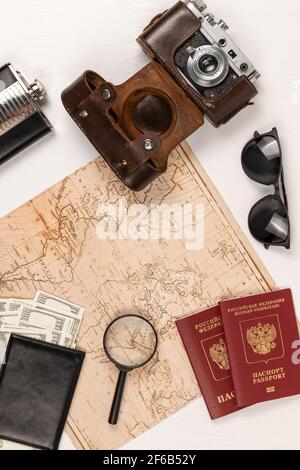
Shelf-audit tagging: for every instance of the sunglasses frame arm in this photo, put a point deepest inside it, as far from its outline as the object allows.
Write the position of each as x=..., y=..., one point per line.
x=285, y=199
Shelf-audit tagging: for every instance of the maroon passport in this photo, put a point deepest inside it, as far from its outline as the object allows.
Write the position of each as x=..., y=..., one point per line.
x=260, y=331
x=203, y=337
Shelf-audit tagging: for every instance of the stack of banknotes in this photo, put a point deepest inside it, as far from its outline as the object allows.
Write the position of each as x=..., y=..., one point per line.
x=46, y=318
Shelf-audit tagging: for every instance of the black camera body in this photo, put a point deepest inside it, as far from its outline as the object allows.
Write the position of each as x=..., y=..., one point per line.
x=207, y=64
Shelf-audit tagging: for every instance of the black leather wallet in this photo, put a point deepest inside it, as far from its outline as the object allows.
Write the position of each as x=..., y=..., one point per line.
x=37, y=384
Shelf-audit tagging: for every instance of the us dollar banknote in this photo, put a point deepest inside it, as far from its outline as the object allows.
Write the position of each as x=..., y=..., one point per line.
x=51, y=301
x=65, y=326
x=9, y=318
x=3, y=304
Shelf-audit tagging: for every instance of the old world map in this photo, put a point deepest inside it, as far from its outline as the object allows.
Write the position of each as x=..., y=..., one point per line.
x=50, y=243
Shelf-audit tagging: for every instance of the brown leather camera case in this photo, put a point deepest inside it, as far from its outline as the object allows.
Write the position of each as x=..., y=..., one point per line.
x=135, y=125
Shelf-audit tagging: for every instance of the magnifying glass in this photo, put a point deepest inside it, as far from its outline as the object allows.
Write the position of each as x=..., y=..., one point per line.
x=129, y=342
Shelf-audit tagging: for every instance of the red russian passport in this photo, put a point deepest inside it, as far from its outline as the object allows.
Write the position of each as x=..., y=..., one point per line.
x=260, y=331
x=203, y=337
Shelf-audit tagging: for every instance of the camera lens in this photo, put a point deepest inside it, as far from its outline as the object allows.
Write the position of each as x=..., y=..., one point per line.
x=208, y=64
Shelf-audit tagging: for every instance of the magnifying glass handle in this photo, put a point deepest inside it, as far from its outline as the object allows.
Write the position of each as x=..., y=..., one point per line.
x=116, y=404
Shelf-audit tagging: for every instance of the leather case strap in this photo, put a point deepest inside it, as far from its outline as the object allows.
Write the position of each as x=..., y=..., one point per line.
x=103, y=112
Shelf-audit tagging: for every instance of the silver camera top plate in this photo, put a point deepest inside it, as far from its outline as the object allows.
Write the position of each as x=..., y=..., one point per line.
x=215, y=32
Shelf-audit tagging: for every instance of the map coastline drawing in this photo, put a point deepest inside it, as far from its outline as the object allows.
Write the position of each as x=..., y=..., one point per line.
x=50, y=244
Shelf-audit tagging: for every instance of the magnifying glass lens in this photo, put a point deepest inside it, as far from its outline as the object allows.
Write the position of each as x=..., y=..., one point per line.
x=130, y=342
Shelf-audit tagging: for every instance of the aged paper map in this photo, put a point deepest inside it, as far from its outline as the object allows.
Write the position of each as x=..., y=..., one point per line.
x=50, y=243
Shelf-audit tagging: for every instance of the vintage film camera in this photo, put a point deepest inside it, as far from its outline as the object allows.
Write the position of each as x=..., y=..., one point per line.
x=196, y=70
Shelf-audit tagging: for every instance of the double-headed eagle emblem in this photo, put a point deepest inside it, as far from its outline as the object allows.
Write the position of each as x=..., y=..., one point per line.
x=218, y=353
x=262, y=338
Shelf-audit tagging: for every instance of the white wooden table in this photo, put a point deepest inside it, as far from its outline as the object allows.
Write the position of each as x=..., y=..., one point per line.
x=55, y=40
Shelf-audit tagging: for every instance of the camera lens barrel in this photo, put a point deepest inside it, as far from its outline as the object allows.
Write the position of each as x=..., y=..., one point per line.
x=208, y=66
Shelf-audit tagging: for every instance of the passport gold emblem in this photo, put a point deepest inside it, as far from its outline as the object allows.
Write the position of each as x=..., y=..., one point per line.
x=262, y=338
x=218, y=353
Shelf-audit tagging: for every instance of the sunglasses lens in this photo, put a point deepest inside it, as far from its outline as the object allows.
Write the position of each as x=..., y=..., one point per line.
x=261, y=160
x=268, y=221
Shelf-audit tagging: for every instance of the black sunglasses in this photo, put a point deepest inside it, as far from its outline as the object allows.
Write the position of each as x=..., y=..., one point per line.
x=268, y=221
